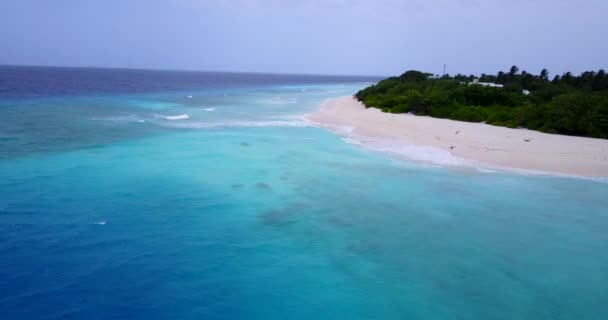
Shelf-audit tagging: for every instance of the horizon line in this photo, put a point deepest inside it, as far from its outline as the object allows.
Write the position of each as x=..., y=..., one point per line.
x=192, y=70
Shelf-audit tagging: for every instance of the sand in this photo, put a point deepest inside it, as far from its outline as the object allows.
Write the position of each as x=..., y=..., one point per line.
x=456, y=143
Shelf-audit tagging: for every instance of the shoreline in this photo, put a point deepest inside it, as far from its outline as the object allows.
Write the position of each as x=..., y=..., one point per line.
x=452, y=143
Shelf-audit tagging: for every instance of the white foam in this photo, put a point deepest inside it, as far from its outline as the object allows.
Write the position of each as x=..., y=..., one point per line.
x=209, y=109
x=425, y=154
x=442, y=158
x=190, y=97
x=414, y=152
x=210, y=125
x=124, y=118
x=281, y=100
x=101, y=223
x=351, y=141
x=176, y=117
x=429, y=155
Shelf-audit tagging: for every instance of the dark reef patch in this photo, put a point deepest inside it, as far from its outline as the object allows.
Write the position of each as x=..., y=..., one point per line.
x=262, y=185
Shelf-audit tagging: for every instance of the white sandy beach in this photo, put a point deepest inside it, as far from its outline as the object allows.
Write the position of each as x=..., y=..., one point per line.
x=449, y=142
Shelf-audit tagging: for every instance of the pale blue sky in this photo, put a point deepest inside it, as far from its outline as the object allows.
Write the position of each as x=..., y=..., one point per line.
x=308, y=36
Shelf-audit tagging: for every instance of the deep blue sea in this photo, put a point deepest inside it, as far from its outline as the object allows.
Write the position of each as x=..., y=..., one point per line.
x=130, y=194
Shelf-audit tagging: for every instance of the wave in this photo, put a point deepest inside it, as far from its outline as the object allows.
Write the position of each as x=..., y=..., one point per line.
x=438, y=157
x=281, y=100
x=123, y=119
x=426, y=154
x=154, y=105
x=211, y=125
x=176, y=117
x=351, y=141
x=161, y=120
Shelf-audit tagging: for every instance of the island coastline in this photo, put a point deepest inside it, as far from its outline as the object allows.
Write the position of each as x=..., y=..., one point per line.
x=463, y=144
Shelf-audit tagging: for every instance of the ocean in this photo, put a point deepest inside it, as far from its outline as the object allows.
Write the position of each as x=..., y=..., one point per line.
x=133, y=194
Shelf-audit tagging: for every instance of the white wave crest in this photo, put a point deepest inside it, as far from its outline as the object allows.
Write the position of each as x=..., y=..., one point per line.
x=123, y=119
x=424, y=154
x=211, y=125
x=415, y=152
x=209, y=109
x=281, y=100
x=176, y=117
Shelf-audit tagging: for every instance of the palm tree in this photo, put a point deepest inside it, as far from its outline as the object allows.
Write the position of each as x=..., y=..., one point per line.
x=556, y=79
x=513, y=73
x=500, y=77
x=544, y=74
x=567, y=78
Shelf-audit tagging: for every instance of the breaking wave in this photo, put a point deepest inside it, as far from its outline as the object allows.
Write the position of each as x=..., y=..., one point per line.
x=120, y=119
x=176, y=117
x=210, y=125
x=281, y=100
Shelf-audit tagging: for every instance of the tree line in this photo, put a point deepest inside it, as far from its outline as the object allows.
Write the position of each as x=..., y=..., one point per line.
x=565, y=104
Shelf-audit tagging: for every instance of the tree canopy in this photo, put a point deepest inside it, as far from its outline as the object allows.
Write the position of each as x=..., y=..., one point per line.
x=567, y=104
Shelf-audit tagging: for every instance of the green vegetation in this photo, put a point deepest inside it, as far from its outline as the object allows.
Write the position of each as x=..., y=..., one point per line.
x=567, y=104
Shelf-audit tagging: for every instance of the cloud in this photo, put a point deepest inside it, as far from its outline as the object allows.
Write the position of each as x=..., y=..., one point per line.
x=318, y=36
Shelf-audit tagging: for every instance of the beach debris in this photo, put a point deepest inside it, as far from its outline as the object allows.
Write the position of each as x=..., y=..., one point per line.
x=244, y=144
x=452, y=147
x=457, y=132
x=237, y=186
x=527, y=140
x=262, y=185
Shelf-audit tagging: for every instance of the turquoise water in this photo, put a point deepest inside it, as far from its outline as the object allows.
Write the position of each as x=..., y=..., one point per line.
x=110, y=211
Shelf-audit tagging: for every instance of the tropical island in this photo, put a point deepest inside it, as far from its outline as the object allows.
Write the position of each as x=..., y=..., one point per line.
x=566, y=104
x=482, y=121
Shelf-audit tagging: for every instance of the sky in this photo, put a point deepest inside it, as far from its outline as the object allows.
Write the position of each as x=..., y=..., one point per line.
x=359, y=37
